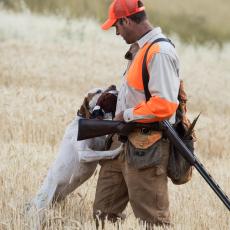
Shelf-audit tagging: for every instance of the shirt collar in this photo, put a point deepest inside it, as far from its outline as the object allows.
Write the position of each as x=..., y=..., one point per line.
x=141, y=42
x=149, y=36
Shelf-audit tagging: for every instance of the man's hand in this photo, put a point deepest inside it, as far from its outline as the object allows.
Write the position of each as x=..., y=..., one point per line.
x=119, y=117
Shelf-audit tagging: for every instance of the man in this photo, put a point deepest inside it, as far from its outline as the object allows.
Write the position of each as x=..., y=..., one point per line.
x=119, y=180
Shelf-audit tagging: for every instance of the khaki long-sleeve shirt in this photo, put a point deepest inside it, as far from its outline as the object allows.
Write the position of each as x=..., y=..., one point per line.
x=163, y=68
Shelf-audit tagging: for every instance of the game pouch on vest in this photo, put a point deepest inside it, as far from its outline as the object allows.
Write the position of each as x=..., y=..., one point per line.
x=143, y=150
x=179, y=169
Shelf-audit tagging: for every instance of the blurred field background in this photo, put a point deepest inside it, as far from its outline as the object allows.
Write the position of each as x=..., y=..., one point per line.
x=48, y=63
x=194, y=21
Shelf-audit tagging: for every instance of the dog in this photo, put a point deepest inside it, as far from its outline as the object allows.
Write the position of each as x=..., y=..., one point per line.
x=77, y=160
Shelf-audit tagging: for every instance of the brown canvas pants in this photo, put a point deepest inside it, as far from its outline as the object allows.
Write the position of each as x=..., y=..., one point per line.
x=145, y=189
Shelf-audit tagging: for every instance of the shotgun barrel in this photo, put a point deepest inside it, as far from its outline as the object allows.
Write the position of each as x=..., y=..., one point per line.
x=193, y=160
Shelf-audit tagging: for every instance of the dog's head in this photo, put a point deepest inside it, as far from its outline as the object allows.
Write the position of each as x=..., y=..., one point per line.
x=98, y=103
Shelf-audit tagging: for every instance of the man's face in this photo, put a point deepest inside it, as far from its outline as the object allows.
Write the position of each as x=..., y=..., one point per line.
x=124, y=29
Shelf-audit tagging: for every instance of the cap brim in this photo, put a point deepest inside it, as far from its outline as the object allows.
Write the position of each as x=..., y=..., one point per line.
x=108, y=24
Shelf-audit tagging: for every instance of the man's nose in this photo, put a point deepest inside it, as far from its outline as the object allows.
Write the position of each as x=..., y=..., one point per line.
x=117, y=32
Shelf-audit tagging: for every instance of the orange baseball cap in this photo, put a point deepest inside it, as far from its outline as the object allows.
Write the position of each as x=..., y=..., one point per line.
x=119, y=9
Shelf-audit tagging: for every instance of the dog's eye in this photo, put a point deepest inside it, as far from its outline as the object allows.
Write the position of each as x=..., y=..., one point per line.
x=99, y=91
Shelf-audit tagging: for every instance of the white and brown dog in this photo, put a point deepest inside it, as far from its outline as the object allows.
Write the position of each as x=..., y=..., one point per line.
x=77, y=160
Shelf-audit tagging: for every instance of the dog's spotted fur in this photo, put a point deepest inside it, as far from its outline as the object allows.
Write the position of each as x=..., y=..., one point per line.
x=69, y=170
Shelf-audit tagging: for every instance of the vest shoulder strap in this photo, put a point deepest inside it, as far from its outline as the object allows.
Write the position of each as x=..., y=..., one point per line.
x=145, y=73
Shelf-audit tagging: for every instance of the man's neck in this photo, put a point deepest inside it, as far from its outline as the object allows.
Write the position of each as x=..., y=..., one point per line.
x=143, y=29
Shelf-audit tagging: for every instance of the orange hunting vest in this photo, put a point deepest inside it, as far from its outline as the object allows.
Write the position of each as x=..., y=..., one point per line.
x=134, y=75
x=157, y=107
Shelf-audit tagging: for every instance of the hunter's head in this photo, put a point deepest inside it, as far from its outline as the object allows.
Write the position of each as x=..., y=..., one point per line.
x=129, y=19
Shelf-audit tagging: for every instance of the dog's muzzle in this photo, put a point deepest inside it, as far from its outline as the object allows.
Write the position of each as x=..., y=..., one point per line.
x=97, y=112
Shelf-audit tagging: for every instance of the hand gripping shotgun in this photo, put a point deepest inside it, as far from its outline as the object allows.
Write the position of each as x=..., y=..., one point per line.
x=90, y=128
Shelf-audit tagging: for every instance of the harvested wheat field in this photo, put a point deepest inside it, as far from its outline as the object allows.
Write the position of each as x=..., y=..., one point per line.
x=47, y=64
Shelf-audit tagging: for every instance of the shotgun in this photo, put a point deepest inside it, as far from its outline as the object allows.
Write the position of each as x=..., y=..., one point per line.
x=90, y=128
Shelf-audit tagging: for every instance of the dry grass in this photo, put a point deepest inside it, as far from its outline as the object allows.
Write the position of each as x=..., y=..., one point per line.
x=46, y=66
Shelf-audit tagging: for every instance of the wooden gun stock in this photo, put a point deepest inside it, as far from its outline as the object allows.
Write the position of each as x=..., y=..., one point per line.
x=90, y=128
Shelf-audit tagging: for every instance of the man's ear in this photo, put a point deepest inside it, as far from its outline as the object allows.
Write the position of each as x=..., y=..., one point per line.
x=126, y=21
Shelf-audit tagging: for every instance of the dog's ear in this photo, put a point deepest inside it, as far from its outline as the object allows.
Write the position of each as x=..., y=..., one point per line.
x=110, y=88
x=108, y=102
x=84, y=109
